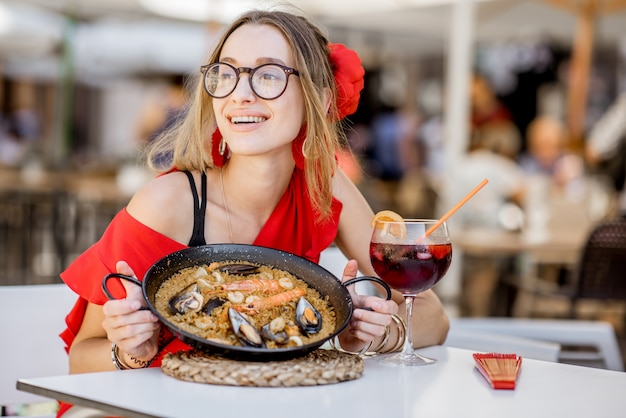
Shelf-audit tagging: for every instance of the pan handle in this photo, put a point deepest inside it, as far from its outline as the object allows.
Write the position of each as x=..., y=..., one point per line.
x=105, y=288
x=371, y=279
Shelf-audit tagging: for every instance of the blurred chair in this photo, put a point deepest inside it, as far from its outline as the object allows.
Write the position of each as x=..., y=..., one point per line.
x=589, y=343
x=599, y=274
x=602, y=270
x=34, y=318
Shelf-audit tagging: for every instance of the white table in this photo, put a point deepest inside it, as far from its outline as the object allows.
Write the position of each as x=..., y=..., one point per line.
x=450, y=388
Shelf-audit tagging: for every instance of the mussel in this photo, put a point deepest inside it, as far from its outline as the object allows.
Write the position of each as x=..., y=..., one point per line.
x=275, y=331
x=187, y=300
x=241, y=269
x=245, y=332
x=212, y=304
x=308, y=318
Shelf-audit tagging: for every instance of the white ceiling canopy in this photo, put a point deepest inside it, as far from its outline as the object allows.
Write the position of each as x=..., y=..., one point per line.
x=199, y=10
x=28, y=30
x=127, y=47
x=408, y=17
x=129, y=36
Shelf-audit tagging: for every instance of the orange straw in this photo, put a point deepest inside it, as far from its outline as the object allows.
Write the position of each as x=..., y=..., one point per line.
x=456, y=207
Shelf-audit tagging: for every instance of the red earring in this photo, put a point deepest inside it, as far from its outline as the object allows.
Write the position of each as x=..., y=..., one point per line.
x=297, y=148
x=219, y=149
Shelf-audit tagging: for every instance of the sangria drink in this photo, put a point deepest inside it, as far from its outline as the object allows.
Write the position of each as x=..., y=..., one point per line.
x=411, y=256
x=410, y=268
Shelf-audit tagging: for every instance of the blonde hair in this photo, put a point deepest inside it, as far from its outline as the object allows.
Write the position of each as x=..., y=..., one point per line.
x=189, y=141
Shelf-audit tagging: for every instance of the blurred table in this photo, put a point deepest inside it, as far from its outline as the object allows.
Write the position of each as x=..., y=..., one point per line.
x=500, y=263
x=562, y=246
x=450, y=388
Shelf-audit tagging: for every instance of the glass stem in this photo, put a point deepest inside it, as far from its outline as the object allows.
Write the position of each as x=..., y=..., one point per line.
x=407, y=348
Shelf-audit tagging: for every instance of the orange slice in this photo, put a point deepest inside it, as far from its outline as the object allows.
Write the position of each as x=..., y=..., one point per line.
x=398, y=230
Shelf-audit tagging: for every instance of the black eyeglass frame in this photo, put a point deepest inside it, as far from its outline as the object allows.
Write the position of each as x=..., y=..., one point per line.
x=239, y=70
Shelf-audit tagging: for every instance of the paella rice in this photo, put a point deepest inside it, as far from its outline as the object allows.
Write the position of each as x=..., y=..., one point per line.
x=217, y=302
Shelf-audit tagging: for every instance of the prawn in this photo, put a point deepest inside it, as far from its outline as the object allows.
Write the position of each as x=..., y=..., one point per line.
x=252, y=285
x=270, y=302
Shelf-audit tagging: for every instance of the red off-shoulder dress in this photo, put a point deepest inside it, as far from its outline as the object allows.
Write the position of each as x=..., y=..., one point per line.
x=291, y=227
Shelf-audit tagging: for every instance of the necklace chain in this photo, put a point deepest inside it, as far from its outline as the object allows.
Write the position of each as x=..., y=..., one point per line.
x=230, y=228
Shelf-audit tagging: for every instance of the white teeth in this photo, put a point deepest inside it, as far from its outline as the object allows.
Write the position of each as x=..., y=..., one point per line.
x=247, y=119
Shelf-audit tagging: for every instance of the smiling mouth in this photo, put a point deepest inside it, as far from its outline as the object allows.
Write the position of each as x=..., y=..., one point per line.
x=247, y=119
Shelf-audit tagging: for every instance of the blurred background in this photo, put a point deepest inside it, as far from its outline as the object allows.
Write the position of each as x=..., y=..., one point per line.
x=530, y=94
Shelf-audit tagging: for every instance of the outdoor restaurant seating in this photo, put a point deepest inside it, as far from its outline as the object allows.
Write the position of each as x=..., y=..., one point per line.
x=597, y=276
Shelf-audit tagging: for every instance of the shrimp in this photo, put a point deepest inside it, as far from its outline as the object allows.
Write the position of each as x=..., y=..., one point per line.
x=252, y=285
x=270, y=302
x=242, y=287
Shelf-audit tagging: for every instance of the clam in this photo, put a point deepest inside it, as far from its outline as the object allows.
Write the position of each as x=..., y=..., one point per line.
x=308, y=318
x=200, y=272
x=235, y=297
x=187, y=300
x=245, y=332
x=205, y=285
x=285, y=283
x=205, y=322
x=241, y=269
x=296, y=340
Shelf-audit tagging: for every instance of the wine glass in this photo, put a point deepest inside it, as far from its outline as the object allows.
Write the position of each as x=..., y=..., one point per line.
x=410, y=258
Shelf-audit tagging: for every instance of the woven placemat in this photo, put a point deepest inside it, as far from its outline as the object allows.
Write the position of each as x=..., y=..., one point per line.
x=320, y=367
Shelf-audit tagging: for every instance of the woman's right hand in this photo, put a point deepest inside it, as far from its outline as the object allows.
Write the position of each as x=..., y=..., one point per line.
x=133, y=330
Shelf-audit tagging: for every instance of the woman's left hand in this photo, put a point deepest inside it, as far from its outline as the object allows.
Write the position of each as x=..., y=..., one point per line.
x=365, y=325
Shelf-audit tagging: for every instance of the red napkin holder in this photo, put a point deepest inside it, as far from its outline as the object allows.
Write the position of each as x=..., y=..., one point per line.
x=500, y=370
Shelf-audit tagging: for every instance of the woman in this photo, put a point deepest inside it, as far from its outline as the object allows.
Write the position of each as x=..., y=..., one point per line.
x=271, y=180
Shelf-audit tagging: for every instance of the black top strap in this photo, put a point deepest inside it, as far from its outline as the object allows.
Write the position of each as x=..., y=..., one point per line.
x=199, y=211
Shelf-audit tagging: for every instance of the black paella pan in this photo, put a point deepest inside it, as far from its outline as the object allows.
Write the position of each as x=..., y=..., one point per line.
x=313, y=274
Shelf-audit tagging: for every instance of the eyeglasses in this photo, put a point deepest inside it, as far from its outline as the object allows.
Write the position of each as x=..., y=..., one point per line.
x=268, y=81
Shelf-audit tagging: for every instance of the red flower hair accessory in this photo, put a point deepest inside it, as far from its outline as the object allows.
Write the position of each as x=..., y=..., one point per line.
x=349, y=77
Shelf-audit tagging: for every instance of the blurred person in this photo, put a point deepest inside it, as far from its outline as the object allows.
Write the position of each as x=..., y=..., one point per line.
x=488, y=209
x=20, y=132
x=390, y=131
x=487, y=159
x=605, y=148
x=556, y=189
x=11, y=151
x=547, y=154
x=545, y=139
x=159, y=115
x=488, y=113
x=260, y=136
x=393, y=134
